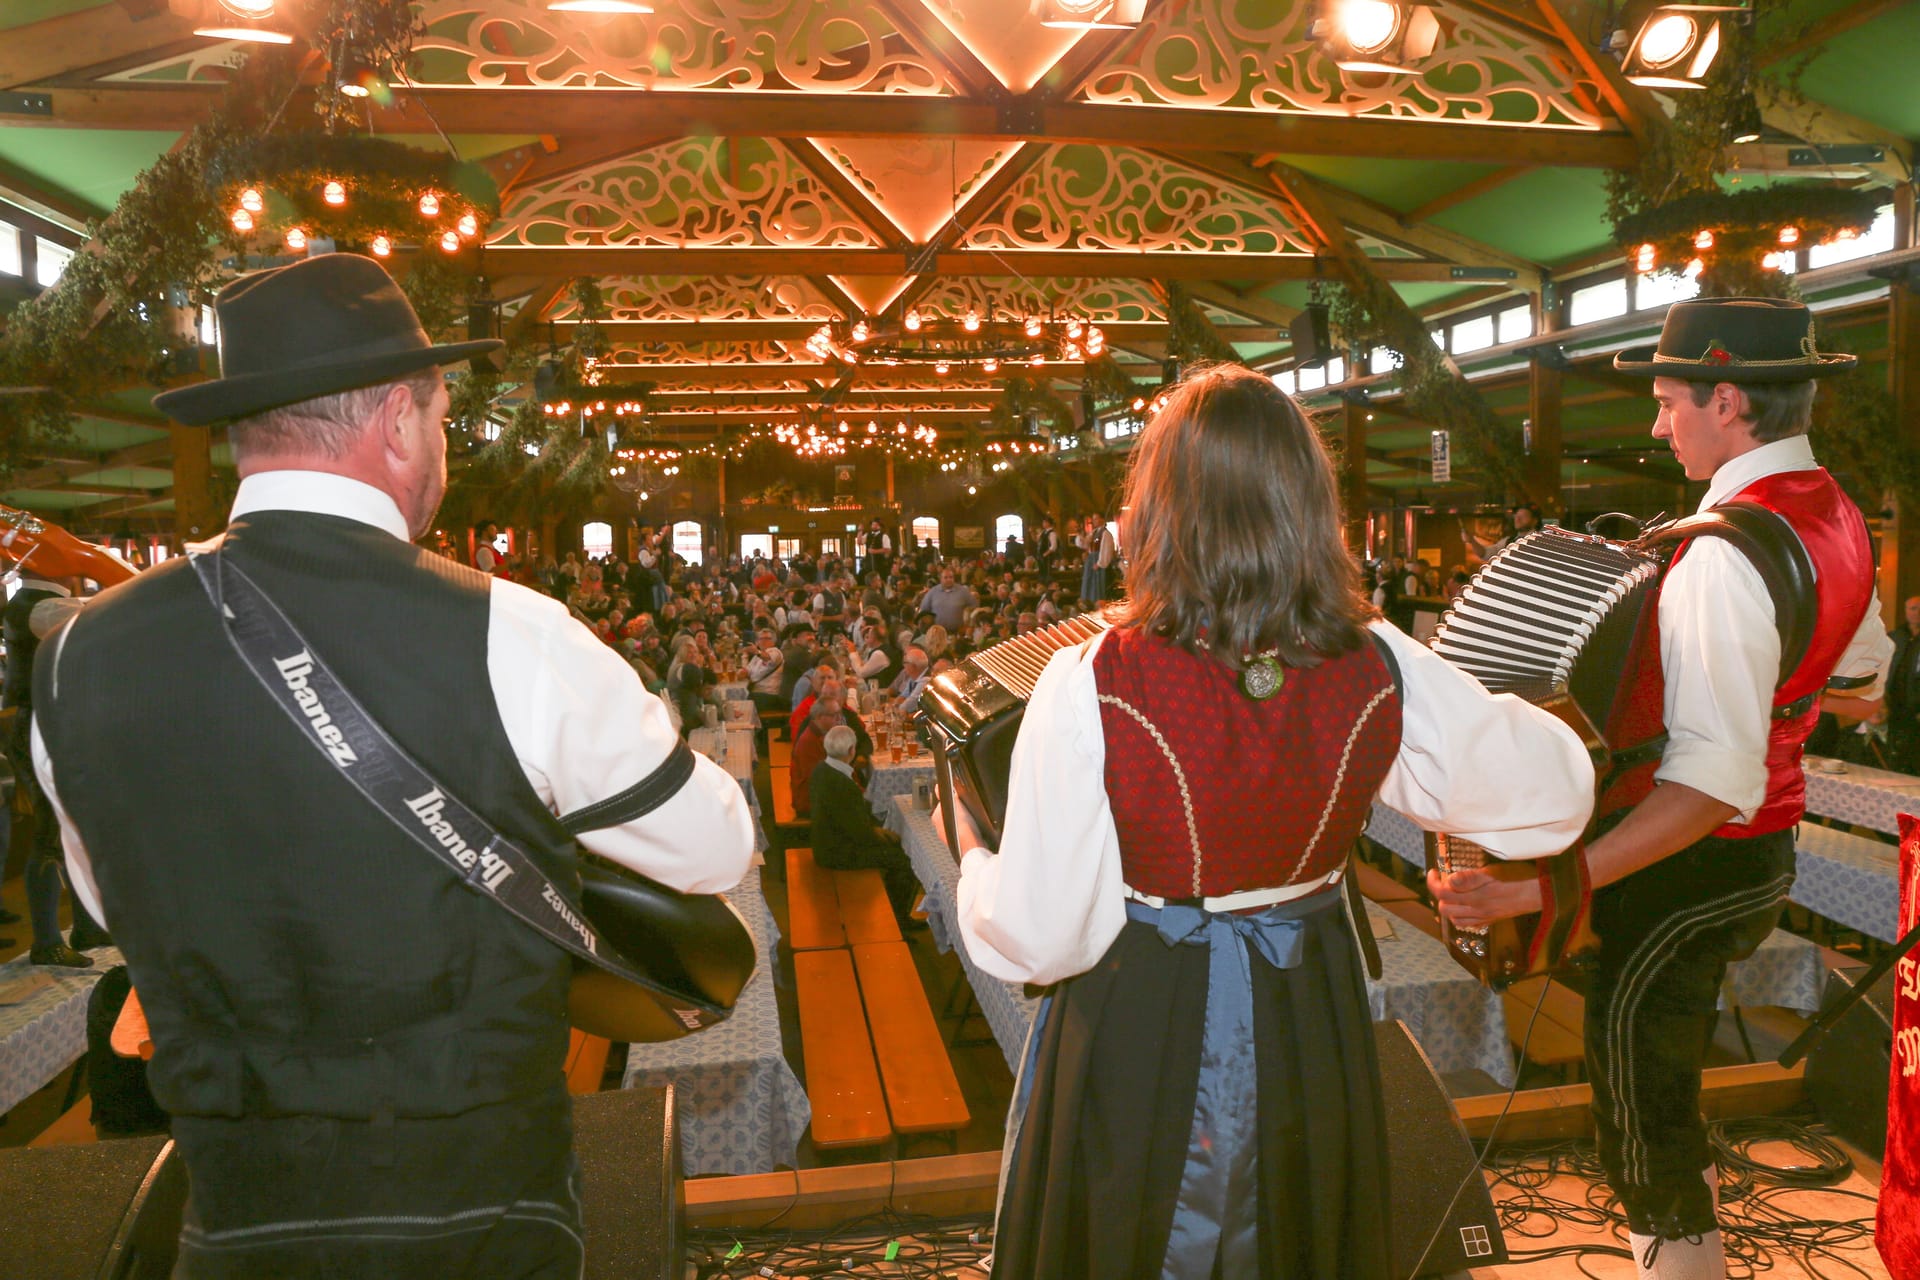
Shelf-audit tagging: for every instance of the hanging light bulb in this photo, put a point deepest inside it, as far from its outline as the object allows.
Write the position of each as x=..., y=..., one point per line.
x=381, y=246
x=989, y=365
x=242, y=220
x=1037, y=361
x=1073, y=328
x=1033, y=326
x=250, y=201
x=940, y=367
x=1694, y=268
x=469, y=225
x=1643, y=259
x=1789, y=235
x=972, y=322
x=334, y=193
x=296, y=240
x=449, y=242
x=1703, y=239
x=429, y=205
x=913, y=320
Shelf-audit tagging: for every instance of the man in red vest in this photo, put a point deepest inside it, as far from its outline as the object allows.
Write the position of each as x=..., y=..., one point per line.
x=1692, y=877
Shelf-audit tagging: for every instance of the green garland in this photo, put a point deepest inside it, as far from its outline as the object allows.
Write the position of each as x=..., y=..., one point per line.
x=1191, y=337
x=1432, y=386
x=1745, y=228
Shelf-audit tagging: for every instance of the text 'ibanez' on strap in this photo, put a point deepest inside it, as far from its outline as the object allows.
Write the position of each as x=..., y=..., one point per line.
x=380, y=769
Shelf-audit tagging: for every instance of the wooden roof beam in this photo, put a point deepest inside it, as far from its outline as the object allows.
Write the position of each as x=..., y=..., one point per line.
x=1243, y=303
x=1480, y=186
x=1359, y=213
x=774, y=330
x=59, y=46
x=1097, y=264
x=1815, y=123
x=582, y=113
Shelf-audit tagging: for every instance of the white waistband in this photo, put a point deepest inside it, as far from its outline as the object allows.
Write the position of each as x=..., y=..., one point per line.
x=1246, y=899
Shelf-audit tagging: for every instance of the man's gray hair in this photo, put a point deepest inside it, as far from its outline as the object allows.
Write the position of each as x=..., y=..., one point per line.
x=326, y=425
x=839, y=742
x=916, y=656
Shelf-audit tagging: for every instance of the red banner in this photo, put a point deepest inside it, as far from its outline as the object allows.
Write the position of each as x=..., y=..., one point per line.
x=1898, y=1231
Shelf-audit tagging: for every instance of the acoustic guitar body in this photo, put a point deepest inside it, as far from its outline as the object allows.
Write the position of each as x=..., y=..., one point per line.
x=695, y=945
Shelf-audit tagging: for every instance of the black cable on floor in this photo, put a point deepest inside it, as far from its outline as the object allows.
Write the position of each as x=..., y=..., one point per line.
x=1759, y=1223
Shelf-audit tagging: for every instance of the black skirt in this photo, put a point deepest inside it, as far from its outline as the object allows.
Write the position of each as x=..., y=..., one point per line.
x=1094, y=1172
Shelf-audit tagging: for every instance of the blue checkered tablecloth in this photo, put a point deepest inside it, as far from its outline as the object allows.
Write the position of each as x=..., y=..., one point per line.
x=890, y=780
x=1861, y=796
x=1459, y=1023
x=1008, y=1009
x=1851, y=880
x=46, y=1033
x=742, y=1110
x=732, y=748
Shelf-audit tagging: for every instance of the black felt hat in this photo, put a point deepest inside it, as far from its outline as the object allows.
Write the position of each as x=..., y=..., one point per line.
x=325, y=324
x=1735, y=340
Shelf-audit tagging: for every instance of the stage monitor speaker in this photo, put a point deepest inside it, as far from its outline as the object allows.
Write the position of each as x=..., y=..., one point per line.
x=1312, y=342
x=1429, y=1158
x=628, y=1145
x=1849, y=1067
x=98, y=1211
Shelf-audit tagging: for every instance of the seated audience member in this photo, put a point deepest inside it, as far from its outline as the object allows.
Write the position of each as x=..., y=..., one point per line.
x=809, y=749
x=820, y=680
x=912, y=677
x=845, y=837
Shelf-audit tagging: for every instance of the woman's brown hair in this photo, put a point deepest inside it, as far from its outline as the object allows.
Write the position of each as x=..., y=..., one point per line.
x=1232, y=532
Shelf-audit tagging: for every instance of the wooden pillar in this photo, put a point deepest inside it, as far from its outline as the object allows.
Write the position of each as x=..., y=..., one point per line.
x=889, y=479
x=1353, y=476
x=1900, y=549
x=194, y=518
x=1542, y=469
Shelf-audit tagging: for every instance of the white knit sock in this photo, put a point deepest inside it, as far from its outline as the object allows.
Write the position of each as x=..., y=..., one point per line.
x=1690, y=1258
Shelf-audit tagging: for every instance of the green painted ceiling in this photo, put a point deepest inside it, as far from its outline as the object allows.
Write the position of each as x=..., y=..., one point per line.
x=1546, y=215
x=1869, y=71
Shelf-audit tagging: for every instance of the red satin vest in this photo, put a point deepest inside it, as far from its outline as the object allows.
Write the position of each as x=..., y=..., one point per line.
x=1835, y=536
x=1214, y=793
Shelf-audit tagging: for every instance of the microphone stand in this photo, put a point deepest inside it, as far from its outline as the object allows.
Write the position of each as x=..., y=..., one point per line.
x=1824, y=1020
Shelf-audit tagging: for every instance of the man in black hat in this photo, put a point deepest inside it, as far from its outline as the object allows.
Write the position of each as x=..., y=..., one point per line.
x=362, y=1054
x=1692, y=877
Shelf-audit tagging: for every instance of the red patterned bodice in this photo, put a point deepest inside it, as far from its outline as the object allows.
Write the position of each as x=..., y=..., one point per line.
x=1214, y=793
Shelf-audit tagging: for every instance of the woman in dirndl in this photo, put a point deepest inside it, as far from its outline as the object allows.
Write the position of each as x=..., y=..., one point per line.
x=1199, y=1094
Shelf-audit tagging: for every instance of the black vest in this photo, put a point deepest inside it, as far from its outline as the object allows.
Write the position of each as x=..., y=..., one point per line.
x=296, y=954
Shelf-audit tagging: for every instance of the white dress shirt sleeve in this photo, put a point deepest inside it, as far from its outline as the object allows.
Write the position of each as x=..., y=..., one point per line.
x=1720, y=657
x=1491, y=768
x=79, y=865
x=1051, y=902
x=1869, y=653
x=585, y=728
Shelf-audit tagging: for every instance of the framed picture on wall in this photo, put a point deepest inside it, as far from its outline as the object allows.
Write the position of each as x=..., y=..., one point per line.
x=970, y=537
x=843, y=477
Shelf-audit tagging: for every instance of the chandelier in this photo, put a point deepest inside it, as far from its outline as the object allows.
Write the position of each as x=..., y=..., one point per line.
x=985, y=344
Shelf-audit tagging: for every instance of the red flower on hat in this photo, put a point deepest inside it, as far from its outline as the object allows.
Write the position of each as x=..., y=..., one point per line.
x=1716, y=354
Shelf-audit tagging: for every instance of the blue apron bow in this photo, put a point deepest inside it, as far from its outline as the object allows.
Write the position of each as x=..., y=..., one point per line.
x=1217, y=1210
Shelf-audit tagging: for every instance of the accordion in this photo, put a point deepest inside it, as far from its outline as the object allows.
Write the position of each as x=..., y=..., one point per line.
x=1565, y=620
x=971, y=716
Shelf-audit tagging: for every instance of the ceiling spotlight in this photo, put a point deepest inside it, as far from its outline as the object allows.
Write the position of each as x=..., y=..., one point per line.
x=1090, y=15
x=598, y=6
x=1033, y=326
x=250, y=9
x=989, y=365
x=382, y=247
x=1675, y=48
x=255, y=35
x=972, y=322
x=357, y=77
x=242, y=220
x=1376, y=35
x=429, y=205
x=250, y=201
x=469, y=225
x=296, y=239
x=334, y=193
x=450, y=242
x=913, y=321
